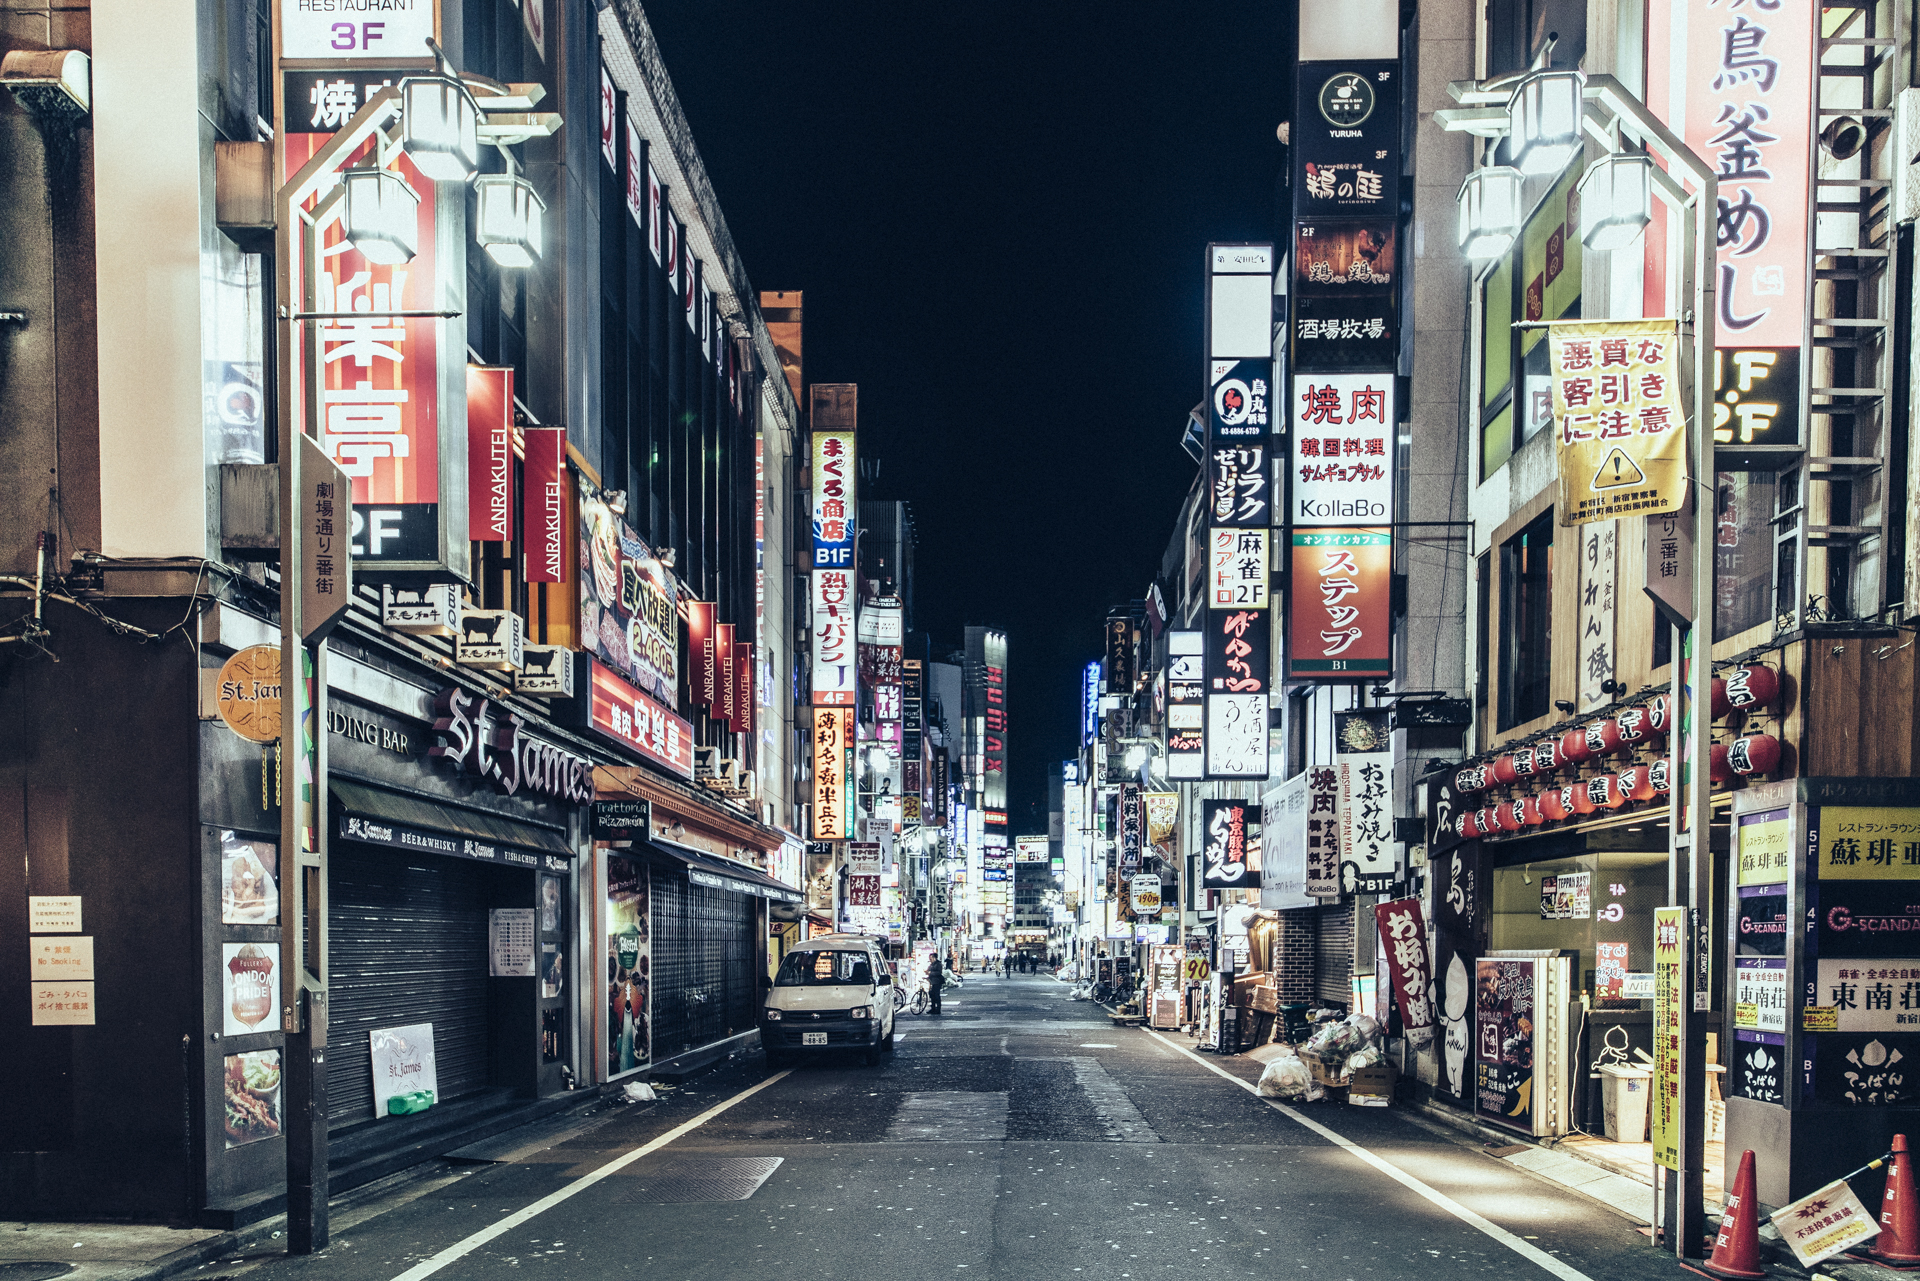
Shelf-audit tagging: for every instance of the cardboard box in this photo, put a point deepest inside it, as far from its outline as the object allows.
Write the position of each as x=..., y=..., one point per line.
x=1266, y=1000
x=1376, y=1081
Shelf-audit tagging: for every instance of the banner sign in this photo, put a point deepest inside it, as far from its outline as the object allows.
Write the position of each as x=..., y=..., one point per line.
x=1239, y=569
x=1339, y=628
x=1743, y=102
x=835, y=659
x=489, y=454
x=1239, y=485
x=1283, y=846
x=833, y=500
x=635, y=719
x=1403, y=945
x=636, y=167
x=1342, y=440
x=1621, y=443
x=1240, y=401
x=1132, y=828
x=628, y=614
x=1226, y=847
x=1186, y=705
x=1163, y=811
x=543, y=516
x=1830, y=1222
x=1363, y=762
x=832, y=764
x=1323, y=832
x=1669, y=992
x=725, y=696
x=703, y=671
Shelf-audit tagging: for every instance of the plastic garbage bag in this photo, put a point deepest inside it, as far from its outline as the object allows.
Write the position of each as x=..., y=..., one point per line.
x=1365, y=1057
x=1286, y=1078
x=638, y=1092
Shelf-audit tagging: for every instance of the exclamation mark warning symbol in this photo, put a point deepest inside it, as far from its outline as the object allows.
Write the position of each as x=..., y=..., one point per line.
x=1618, y=471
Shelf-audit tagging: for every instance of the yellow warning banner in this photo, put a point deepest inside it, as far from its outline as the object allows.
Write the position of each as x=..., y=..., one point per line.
x=1621, y=421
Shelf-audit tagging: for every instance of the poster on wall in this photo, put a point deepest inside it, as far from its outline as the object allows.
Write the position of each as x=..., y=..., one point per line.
x=1363, y=764
x=629, y=965
x=248, y=895
x=252, y=1088
x=1283, y=845
x=1620, y=438
x=628, y=602
x=510, y=942
x=250, y=988
x=1503, y=1033
x=403, y=1063
x=1456, y=911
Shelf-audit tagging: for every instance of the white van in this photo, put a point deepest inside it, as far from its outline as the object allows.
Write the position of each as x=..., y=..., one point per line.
x=834, y=992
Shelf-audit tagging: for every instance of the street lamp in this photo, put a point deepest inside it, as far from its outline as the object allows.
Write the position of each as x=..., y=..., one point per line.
x=382, y=215
x=440, y=127
x=1546, y=112
x=1489, y=211
x=510, y=217
x=1616, y=200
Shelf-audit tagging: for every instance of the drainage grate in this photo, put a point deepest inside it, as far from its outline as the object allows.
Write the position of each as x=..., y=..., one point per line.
x=720, y=1178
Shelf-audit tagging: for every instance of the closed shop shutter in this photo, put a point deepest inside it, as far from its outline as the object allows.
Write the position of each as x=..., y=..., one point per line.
x=704, y=981
x=1333, y=967
x=408, y=945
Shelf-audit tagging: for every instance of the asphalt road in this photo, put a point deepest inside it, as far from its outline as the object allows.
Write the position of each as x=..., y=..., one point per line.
x=1018, y=1136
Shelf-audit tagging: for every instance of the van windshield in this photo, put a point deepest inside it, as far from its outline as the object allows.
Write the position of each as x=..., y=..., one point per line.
x=824, y=969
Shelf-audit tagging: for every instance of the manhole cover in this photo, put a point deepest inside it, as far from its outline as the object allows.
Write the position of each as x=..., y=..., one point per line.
x=721, y=1178
x=33, y=1271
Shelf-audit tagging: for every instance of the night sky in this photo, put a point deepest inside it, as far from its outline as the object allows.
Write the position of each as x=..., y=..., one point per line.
x=998, y=214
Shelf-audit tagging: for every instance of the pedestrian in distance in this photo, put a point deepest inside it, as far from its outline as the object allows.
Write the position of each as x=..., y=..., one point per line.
x=936, y=980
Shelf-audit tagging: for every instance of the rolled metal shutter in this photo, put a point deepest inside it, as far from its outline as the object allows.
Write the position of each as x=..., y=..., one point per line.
x=1333, y=958
x=704, y=985
x=408, y=945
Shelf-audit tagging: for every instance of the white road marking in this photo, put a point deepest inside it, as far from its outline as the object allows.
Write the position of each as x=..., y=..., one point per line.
x=1565, y=1271
x=460, y=1249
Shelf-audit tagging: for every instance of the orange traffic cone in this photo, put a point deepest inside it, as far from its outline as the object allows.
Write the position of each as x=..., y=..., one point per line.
x=1899, y=1243
x=1736, y=1250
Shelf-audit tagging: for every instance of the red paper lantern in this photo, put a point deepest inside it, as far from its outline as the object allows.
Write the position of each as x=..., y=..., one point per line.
x=1573, y=747
x=1660, y=774
x=1465, y=827
x=1531, y=813
x=1660, y=715
x=1719, y=765
x=1753, y=686
x=1754, y=754
x=1580, y=798
x=1720, y=704
x=1546, y=757
x=1634, y=728
x=1556, y=804
x=1503, y=772
x=1636, y=784
x=1471, y=779
x=1605, y=792
x=1603, y=738
x=1483, y=822
x=1523, y=764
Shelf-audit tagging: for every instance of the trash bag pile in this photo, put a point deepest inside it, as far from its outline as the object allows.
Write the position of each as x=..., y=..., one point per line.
x=1287, y=1077
x=1344, y=1046
x=1081, y=992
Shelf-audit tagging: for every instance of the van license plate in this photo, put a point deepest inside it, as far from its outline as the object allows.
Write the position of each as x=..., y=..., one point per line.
x=813, y=1038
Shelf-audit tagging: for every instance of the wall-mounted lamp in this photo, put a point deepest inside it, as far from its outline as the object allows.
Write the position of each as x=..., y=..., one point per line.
x=1546, y=110
x=1616, y=200
x=382, y=217
x=511, y=214
x=439, y=127
x=1490, y=211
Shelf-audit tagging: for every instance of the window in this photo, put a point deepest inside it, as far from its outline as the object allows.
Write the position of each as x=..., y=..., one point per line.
x=1483, y=579
x=1538, y=280
x=1526, y=623
x=1744, y=558
x=824, y=968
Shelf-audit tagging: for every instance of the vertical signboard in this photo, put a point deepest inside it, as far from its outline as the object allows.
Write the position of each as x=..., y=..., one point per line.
x=703, y=672
x=1736, y=83
x=834, y=656
x=1226, y=847
x=1186, y=705
x=832, y=764
x=1669, y=991
x=543, y=517
x=489, y=454
x=1346, y=207
x=1363, y=762
x=1132, y=828
x=1341, y=593
x=374, y=388
x=1342, y=449
x=833, y=499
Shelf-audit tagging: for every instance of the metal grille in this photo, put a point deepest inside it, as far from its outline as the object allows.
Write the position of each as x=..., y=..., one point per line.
x=719, y=1178
x=704, y=985
x=409, y=945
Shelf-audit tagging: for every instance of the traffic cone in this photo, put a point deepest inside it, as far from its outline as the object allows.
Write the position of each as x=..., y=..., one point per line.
x=1736, y=1250
x=1899, y=1243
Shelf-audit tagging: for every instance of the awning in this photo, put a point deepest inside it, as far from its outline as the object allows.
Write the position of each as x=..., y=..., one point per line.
x=403, y=821
x=723, y=874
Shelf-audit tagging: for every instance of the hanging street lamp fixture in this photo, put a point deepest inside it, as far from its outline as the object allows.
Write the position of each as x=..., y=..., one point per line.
x=381, y=217
x=1616, y=200
x=440, y=127
x=1490, y=211
x=510, y=217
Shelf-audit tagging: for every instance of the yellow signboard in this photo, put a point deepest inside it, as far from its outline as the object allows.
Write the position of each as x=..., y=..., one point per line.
x=1820, y=1018
x=1868, y=843
x=1764, y=846
x=1619, y=418
x=1669, y=991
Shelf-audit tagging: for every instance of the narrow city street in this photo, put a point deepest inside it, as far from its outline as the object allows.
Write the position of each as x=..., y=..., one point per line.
x=1017, y=1135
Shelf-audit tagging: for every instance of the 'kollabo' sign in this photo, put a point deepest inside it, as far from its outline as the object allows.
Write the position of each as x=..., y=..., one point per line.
x=1619, y=419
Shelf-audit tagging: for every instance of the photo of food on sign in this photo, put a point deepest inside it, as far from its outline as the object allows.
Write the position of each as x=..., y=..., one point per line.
x=252, y=1083
x=629, y=616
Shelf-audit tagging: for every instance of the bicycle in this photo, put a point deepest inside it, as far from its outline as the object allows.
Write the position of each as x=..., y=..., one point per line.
x=918, y=1003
